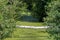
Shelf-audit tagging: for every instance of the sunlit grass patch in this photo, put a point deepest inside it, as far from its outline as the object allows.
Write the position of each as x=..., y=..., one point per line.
x=30, y=23
x=29, y=34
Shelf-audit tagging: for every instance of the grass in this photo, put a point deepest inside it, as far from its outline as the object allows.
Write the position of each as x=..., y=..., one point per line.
x=29, y=34
x=30, y=23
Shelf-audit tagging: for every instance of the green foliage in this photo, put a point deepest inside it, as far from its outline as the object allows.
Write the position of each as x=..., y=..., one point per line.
x=53, y=19
x=21, y=9
x=7, y=22
x=37, y=7
x=39, y=10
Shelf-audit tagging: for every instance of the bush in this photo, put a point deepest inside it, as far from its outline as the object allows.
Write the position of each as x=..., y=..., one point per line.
x=7, y=22
x=53, y=19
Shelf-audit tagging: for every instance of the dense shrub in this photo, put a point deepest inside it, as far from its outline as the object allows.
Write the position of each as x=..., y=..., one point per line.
x=53, y=19
x=7, y=22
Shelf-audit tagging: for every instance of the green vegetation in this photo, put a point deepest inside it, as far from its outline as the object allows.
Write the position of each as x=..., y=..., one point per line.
x=37, y=7
x=30, y=23
x=44, y=10
x=29, y=34
x=7, y=22
x=53, y=19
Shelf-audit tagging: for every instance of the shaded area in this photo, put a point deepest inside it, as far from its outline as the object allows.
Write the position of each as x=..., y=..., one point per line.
x=29, y=19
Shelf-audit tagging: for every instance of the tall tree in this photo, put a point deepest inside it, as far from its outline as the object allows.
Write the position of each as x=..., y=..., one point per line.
x=39, y=10
x=21, y=8
x=7, y=22
x=53, y=19
x=37, y=7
